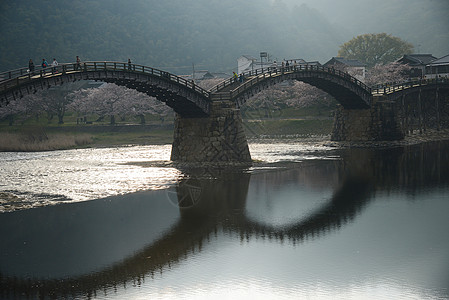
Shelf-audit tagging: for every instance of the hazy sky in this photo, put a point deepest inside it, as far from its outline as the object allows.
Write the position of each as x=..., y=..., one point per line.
x=212, y=34
x=368, y=16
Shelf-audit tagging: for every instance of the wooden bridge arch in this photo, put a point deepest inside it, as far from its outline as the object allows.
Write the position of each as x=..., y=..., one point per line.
x=189, y=100
x=350, y=92
x=395, y=92
x=185, y=97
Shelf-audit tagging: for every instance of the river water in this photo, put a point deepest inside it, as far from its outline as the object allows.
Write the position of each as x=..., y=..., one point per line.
x=306, y=221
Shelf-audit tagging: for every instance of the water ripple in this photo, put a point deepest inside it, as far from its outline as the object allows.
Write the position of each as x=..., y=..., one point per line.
x=80, y=175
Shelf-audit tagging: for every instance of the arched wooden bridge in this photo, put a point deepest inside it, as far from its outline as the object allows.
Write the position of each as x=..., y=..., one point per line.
x=188, y=99
x=208, y=128
x=185, y=97
x=346, y=89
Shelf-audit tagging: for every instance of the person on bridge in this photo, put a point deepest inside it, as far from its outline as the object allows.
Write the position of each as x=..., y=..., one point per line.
x=129, y=64
x=235, y=76
x=44, y=64
x=274, y=66
x=54, y=64
x=31, y=66
x=78, y=63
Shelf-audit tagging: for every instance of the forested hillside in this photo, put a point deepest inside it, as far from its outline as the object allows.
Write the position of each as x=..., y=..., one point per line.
x=171, y=34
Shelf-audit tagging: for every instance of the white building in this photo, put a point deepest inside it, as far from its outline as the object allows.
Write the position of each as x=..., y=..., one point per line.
x=438, y=68
x=247, y=63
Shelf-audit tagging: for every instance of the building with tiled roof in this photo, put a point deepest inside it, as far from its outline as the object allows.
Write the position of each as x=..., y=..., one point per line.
x=417, y=62
x=438, y=67
x=353, y=66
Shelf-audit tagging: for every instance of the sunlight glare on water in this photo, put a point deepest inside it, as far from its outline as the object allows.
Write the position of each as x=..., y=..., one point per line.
x=41, y=178
x=45, y=178
x=292, y=152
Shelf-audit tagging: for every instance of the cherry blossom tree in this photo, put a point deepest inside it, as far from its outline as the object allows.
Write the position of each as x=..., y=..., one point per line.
x=306, y=95
x=294, y=94
x=113, y=100
x=270, y=101
x=390, y=73
x=22, y=108
x=80, y=102
x=109, y=100
x=53, y=103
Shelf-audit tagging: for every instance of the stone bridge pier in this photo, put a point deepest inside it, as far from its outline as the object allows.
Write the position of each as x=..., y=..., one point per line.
x=218, y=138
x=380, y=122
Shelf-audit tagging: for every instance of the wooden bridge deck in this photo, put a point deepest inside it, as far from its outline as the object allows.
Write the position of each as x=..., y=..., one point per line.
x=13, y=83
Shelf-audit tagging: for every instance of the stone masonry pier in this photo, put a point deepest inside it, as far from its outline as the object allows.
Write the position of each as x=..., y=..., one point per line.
x=380, y=122
x=396, y=113
x=218, y=138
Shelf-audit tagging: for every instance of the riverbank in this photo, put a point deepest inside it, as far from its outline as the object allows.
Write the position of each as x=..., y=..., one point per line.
x=41, y=134
x=32, y=139
x=32, y=142
x=415, y=138
x=40, y=138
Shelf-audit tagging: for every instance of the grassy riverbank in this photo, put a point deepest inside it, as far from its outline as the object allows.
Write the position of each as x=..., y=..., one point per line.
x=30, y=138
x=287, y=128
x=46, y=139
x=42, y=141
x=39, y=135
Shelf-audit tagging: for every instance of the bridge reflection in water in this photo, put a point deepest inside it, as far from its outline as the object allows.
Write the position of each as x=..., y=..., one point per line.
x=99, y=246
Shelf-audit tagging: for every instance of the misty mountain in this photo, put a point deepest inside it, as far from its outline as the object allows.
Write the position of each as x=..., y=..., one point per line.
x=174, y=34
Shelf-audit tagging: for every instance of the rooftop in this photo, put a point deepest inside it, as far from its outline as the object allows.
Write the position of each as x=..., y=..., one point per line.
x=344, y=61
x=440, y=61
x=417, y=59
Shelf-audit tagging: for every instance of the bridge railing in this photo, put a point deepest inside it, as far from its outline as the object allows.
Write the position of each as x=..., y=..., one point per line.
x=383, y=89
x=227, y=82
x=275, y=71
x=12, y=74
x=16, y=77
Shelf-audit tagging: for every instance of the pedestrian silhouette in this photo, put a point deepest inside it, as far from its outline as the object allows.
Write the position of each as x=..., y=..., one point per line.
x=54, y=64
x=78, y=63
x=44, y=64
x=31, y=66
